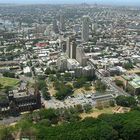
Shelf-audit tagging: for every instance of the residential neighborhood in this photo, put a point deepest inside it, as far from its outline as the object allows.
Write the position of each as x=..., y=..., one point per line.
x=68, y=56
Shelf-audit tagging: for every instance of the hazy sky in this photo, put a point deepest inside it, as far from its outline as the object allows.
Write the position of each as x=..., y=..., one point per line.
x=118, y=2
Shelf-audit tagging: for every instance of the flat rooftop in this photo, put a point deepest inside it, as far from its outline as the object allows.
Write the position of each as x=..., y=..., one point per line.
x=135, y=82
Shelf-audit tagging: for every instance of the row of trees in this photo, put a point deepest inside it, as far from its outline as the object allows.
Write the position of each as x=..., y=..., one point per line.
x=48, y=71
x=63, y=90
x=126, y=101
x=80, y=82
x=56, y=116
x=9, y=74
x=44, y=89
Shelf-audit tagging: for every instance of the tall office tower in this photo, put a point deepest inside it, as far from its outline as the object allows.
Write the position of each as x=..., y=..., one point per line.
x=73, y=50
x=85, y=28
x=60, y=41
x=80, y=56
x=62, y=23
x=55, y=26
x=69, y=45
x=62, y=63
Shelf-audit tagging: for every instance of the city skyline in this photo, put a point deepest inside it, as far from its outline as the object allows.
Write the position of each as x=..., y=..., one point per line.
x=111, y=2
x=70, y=70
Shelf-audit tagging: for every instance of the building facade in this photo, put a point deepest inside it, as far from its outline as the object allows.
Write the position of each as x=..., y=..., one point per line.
x=80, y=56
x=13, y=105
x=85, y=28
x=62, y=22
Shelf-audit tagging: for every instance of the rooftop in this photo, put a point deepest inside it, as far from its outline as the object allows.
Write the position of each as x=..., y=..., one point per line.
x=135, y=82
x=73, y=62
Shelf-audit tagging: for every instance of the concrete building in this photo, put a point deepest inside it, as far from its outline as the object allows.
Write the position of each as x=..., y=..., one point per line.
x=62, y=63
x=131, y=83
x=62, y=22
x=103, y=100
x=77, y=28
x=71, y=47
x=114, y=71
x=68, y=46
x=72, y=64
x=73, y=50
x=80, y=56
x=78, y=71
x=85, y=28
x=134, y=86
x=55, y=26
x=87, y=71
x=20, y=101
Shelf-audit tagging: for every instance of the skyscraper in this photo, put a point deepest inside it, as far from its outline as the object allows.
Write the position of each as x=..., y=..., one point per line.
x=73, y=50
x=71, y=47
x=80, y=56
x=68, y=46
x=85, y=28
x=55, y=27
x=62, y=22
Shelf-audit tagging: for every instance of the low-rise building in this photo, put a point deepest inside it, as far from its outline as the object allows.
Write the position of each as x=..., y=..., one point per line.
x=134, y=86
x=19, y=101
x=131, y=83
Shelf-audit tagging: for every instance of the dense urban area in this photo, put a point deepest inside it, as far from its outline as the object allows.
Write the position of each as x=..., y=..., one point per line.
x=69, y=72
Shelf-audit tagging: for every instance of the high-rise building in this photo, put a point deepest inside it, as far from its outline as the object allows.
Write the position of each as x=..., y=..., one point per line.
x=80, y=56
x=78, y=71
x=85, y=28
x=87, y=71
x=62, y=22
x=55, y=26
x=62, y=63
x=71, y=47
x=72, y=64
x=68, y=46
x=73, y=50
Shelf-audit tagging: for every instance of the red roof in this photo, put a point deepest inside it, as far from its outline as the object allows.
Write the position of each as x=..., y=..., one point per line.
x=41, y=44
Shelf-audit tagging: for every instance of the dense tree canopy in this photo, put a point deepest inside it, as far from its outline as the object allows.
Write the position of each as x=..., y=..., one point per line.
x=100, y=86
x=63, y=91
x=80, y=82
x=128, y=65
x=9, y=74
x=41, y=84
x=126, y=101
x=106, y=127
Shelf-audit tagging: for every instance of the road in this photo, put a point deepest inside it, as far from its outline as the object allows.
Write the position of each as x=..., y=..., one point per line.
x=111, y=84
x=118, y=91
x=10, y=120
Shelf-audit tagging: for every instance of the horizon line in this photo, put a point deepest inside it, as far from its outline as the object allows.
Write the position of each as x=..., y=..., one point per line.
x=77, y=3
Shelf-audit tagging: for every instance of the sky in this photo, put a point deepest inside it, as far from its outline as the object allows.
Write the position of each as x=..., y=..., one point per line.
x=114, y=2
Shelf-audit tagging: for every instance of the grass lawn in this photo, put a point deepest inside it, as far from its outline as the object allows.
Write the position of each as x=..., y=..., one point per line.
x=52, y=90
x=5, y=81
x=135, y=70
x=82, y=90
x=96, y=112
